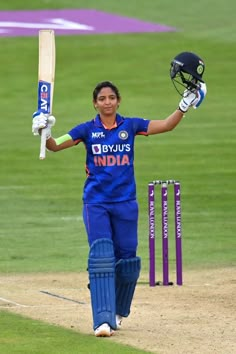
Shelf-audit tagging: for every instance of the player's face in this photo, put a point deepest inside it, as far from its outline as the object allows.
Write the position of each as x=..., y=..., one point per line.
x=107, y=101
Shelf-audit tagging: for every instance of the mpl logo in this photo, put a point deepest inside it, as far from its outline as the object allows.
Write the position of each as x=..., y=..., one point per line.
x=96, y=148
x=44, y=96
x=98, y=135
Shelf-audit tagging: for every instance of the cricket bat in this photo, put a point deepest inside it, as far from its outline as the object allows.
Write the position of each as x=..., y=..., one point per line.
x=46, y=76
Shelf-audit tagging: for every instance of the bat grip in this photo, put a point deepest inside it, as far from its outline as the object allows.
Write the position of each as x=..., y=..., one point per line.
x=42, y=154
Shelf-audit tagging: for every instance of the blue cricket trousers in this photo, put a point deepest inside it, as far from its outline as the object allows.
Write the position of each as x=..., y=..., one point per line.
x=116, y=221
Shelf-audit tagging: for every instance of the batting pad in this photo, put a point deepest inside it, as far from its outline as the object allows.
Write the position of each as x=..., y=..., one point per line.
x=101, y=267
x=127, y=274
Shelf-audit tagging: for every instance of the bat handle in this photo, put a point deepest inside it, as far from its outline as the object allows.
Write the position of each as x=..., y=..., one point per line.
x=42, y=154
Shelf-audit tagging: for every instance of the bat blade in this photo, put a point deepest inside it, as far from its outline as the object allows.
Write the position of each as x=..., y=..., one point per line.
x=46, y=77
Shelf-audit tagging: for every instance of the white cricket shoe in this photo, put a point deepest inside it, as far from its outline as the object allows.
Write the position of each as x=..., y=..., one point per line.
x=118, y=321
x=103, y=330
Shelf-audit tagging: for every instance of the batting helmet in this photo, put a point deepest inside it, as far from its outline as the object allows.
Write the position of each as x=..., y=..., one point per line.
x=187, y=69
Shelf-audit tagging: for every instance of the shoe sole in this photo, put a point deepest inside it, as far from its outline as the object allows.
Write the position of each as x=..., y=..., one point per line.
x=104, y=333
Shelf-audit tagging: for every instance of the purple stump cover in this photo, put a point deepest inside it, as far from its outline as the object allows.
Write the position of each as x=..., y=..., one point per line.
x=151, y=214
x=165, y=257
x=178, y=234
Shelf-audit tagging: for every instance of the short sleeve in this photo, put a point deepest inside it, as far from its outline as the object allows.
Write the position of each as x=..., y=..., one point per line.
x=78, y=132
x=140, y=125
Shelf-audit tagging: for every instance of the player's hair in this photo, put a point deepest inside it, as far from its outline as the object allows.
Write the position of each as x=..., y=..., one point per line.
x=103, y=84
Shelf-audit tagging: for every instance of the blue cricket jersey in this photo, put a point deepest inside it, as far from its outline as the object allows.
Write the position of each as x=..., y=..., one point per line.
x=110, y=158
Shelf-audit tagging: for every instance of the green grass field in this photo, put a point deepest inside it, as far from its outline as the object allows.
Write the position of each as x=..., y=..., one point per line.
x=40, y=201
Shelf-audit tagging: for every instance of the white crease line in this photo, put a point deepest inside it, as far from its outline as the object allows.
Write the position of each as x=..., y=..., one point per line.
x=12, y=302
x=41, y=306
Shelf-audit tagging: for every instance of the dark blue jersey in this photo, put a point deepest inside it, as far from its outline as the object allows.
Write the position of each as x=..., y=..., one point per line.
x=110, y=158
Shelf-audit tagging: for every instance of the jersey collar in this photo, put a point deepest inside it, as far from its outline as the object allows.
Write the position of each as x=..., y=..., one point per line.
x=98, y=123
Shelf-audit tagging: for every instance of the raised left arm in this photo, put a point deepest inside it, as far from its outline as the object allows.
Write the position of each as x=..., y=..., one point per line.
x=190, y=99
x=165, y=125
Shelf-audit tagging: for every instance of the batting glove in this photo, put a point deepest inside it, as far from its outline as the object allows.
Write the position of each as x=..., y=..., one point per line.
x=201, y=93
x=41, y=121
x=193, y=98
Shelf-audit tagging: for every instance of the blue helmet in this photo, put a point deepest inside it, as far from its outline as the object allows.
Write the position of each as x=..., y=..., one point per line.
x=187, y=70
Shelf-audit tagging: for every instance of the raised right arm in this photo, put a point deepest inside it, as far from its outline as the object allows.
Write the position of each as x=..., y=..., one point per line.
x=41, y=121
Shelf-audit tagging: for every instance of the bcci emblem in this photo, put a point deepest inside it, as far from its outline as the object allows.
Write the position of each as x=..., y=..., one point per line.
x=200, y=69
x=123, y=135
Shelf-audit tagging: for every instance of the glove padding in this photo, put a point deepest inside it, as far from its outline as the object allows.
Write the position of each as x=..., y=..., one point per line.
x=193, y=98
x=42, y=121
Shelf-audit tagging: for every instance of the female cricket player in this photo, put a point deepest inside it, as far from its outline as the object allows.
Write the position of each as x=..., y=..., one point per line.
x=110, y=209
